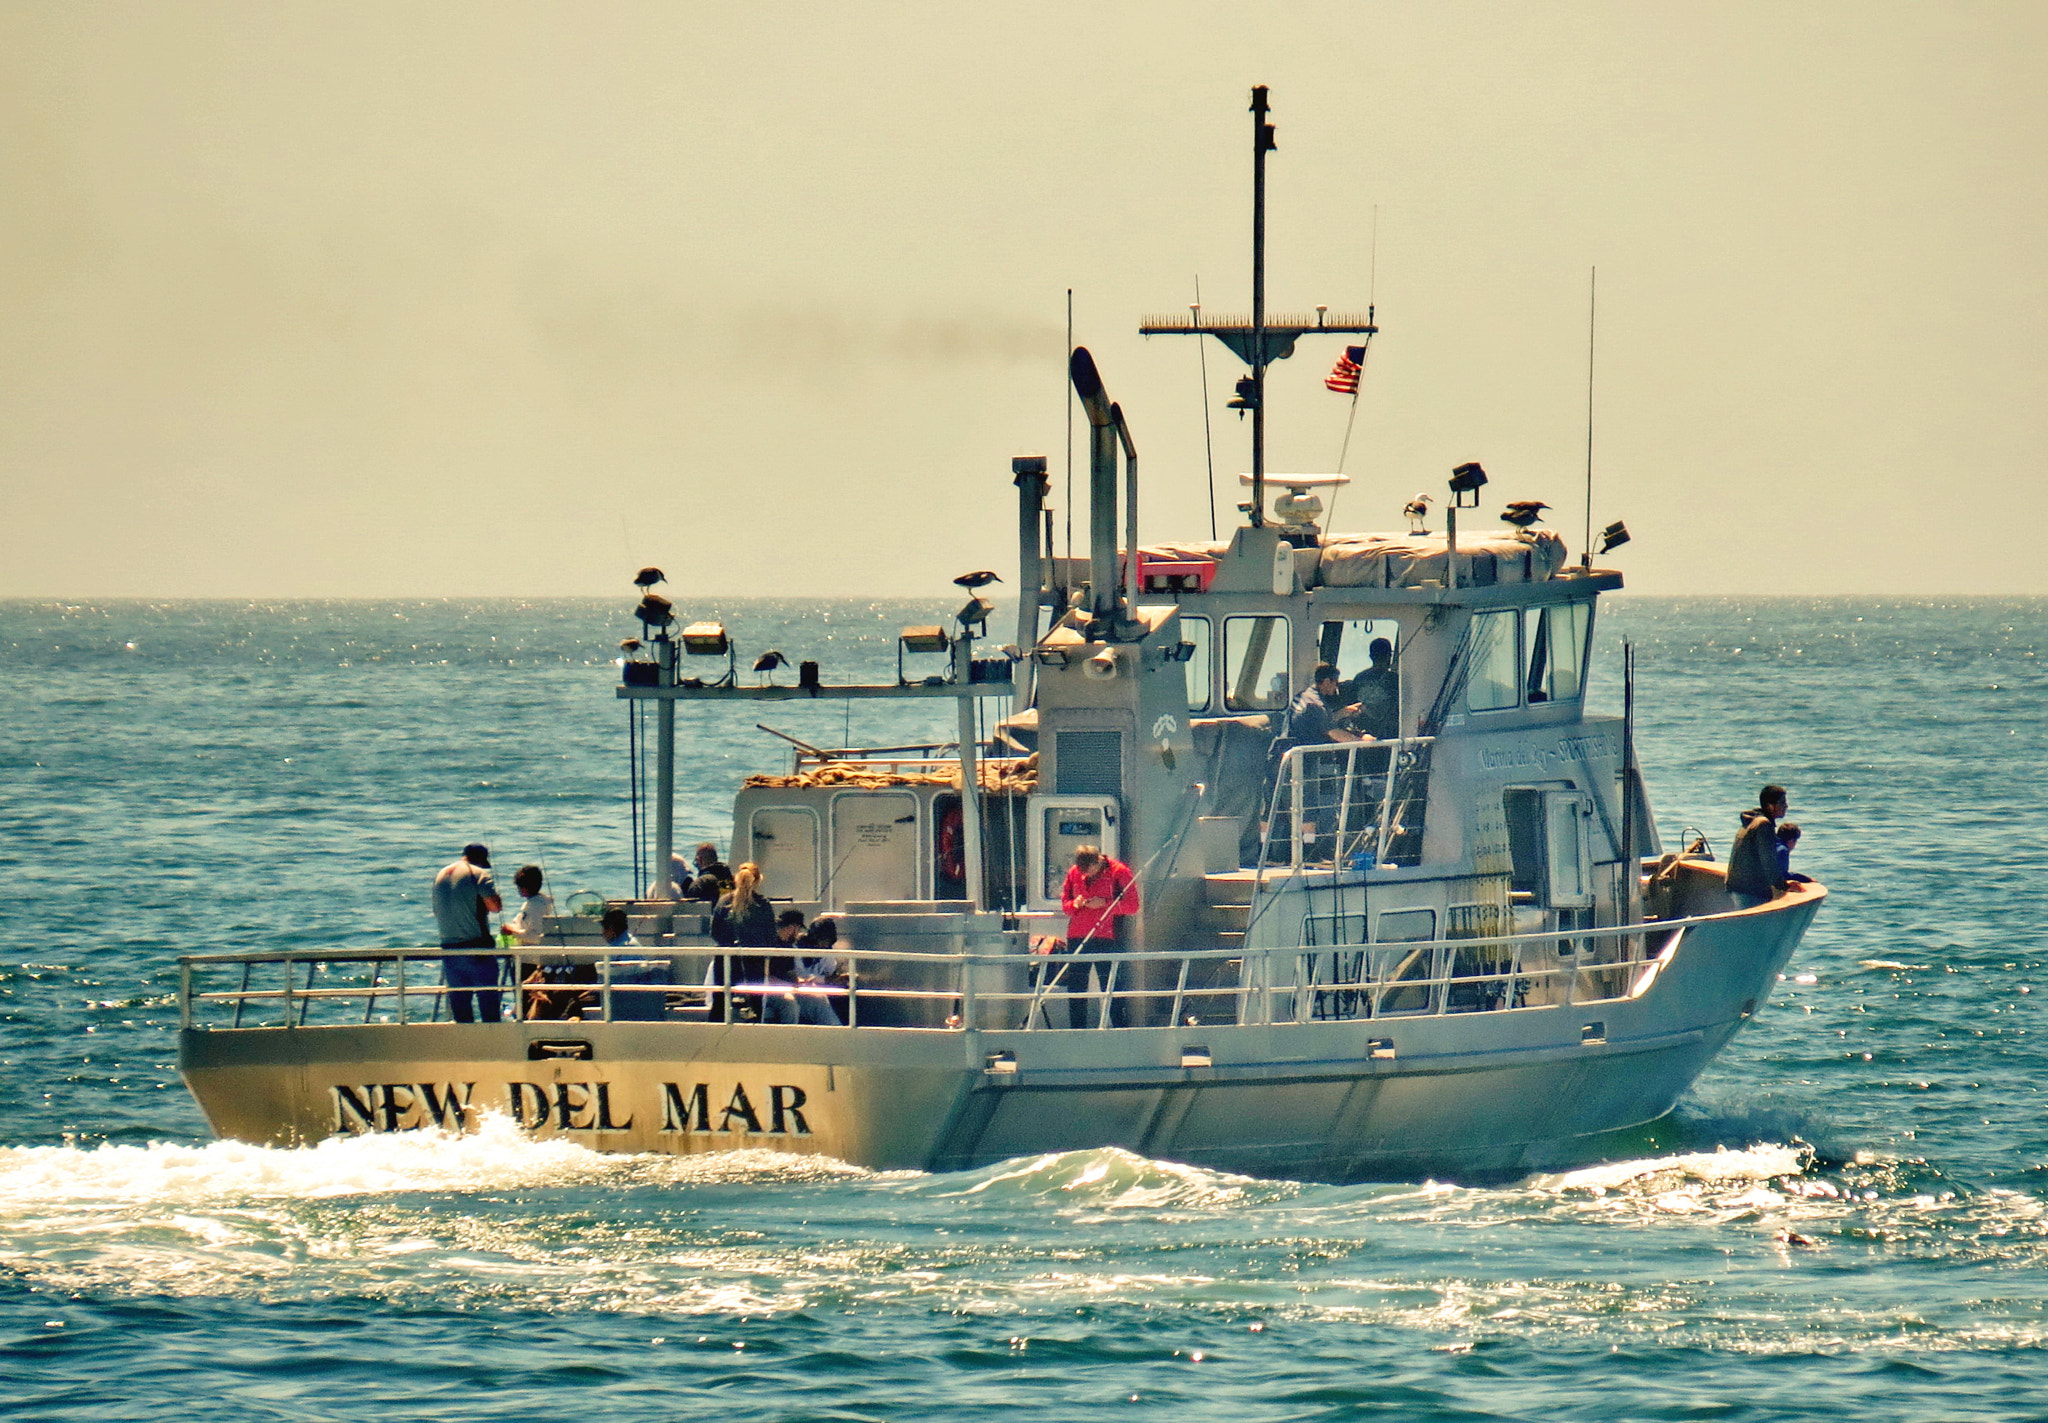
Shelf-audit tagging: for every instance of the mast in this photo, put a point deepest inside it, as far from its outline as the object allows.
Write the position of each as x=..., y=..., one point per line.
x=1260, y=340
x=1262, y=144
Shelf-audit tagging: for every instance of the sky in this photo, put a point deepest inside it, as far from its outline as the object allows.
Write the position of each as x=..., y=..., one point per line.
x=507, y=300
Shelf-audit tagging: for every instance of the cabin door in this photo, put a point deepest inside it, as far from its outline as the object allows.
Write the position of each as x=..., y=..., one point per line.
x=785, y=846
x=874, y=847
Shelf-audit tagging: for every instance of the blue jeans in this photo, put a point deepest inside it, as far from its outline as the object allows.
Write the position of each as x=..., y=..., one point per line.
x=472, y=971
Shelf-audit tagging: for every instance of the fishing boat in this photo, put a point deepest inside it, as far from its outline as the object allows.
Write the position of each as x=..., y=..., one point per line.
x=1455, y=945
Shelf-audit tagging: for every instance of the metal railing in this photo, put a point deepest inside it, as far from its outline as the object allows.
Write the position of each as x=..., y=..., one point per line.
x=945, y=992
x=1349, y=805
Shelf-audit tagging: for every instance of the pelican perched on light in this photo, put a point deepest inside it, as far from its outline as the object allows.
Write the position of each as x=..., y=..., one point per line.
x=980, y=578
x=1523, y=512
x=1417, y=512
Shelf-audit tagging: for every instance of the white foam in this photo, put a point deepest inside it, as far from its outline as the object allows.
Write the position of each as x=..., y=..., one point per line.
x=1756, y=1163
x=498, y=1156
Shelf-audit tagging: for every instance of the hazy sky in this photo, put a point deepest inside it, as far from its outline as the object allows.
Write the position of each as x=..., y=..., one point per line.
x=503, y=299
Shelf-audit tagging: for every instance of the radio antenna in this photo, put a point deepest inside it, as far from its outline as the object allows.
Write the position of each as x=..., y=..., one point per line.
x=1592, y=309
x=1208, y=441
x=1372, y=284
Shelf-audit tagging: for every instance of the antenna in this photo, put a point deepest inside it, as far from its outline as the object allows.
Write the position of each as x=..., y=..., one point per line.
x=1262, y=143
x=1592, y=307
x=1372, y=286
x=1208, y=440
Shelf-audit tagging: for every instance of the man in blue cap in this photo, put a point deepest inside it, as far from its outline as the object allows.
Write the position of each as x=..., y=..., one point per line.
x=465, y=898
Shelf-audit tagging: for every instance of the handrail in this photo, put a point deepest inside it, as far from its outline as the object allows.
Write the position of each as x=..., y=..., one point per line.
x=1401, y=753
x=646, y=951
x=1272, y=984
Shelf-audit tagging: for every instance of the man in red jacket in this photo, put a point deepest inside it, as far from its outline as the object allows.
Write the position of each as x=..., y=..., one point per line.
x=1099, y=896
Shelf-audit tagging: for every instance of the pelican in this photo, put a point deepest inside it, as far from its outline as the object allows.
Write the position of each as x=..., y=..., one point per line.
x=980, y=578
x=1417, y=510
x=648, y=577
x=767, y=662
x=1523, y=512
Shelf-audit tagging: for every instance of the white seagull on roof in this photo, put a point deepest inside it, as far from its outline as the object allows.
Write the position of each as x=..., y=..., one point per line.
x=1417, y=510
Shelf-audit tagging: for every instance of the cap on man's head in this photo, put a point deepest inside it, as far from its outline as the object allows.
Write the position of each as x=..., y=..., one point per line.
x=790, y=918
x=477, y=853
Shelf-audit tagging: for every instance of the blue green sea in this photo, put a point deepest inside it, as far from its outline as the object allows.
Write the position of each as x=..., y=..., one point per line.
x=1847, y=1217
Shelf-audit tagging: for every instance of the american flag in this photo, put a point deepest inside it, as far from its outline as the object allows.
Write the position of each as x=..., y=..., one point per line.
x=1343, y=377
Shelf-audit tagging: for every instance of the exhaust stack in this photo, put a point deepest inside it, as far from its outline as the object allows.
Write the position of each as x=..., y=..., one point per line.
x=1106, y=609
x=1032, y=484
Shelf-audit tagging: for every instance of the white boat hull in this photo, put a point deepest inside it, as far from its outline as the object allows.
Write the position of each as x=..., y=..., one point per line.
x=1373, y=1098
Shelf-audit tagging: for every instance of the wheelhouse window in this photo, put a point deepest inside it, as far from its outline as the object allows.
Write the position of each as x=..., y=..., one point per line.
x=1201, y=664
x=1555, y=643
x=1406, y=926
x=1495, y=680
x=1256, y=655
x=1365, y=651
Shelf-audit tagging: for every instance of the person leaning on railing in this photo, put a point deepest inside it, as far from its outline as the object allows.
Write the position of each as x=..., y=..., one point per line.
x=465, y=898
x=1754, y=874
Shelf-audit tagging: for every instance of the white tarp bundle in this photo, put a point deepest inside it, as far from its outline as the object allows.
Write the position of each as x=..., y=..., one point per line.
x=1412, y=560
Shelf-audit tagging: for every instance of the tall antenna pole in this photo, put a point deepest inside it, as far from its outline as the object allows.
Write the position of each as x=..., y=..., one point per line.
x=1262, y=144
x=1592, y=307
x=1208, y=441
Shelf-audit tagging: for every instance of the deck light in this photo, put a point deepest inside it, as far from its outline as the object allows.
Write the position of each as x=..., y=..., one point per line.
x=655, y=611
x=920, y=639
x=1466, y=482
x=706, y=640
x=1612, y=537
x=1051, y=656
x=975, y=615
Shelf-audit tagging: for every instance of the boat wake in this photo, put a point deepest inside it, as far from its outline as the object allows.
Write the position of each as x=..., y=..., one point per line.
x=498, y=1156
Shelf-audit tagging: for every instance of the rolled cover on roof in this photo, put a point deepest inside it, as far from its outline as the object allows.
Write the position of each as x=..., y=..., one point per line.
x=1407, y=560
x=1183, y=553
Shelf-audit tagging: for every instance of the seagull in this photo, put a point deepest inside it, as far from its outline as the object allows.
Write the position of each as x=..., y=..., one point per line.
x=981, y=578
x=648, y=577
x=1417, y=510
x=1523, y=512
x=767, y=662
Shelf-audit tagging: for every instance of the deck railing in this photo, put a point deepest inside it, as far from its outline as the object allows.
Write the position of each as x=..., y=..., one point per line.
x=947, y=992
x=1349, y=804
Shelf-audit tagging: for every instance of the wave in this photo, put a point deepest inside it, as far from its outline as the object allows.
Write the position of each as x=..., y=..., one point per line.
x=1718, y=1167
x=1108, y=1178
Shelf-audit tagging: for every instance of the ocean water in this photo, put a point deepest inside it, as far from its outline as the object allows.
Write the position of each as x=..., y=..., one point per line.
x=1847, y=1217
